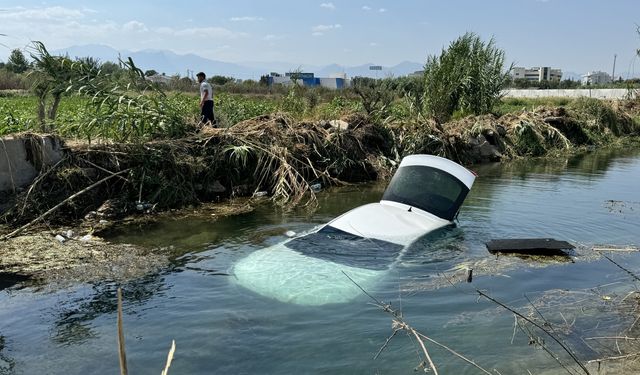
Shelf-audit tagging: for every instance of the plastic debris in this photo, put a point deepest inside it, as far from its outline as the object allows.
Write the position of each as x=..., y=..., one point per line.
x=259, y=194
x=60, y=238
x=316, y=187
x=86, y=238
x=290, y=233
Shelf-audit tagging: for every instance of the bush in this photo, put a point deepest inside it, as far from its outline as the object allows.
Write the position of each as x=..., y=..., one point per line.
x=376, y=95
x=598, y=114
x=467, y=77
x=12, y=81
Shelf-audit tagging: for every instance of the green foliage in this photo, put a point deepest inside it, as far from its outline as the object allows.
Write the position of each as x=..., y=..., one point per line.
x=376, y=95
x=51, y=75
x=599, y=115
x=17, y=62
x=528, y=141
x=220, y=80
x=232, y=109
x=337, y=107
x=135, y=111
x=526, y=84
x=468, y=76
x=294, y=103
x=16, y=114
x=12, y=81
x=183, y=84
x=110, y=68
x=509, y=105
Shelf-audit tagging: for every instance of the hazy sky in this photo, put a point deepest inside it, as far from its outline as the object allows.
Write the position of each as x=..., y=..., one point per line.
x=575, y=35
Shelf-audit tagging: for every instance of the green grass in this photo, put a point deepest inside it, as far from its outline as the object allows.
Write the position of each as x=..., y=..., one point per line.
x=510, y=105
x=18, y=113
x=77, y=117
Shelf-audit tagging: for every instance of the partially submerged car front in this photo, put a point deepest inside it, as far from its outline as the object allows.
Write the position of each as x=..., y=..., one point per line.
x=425, y=194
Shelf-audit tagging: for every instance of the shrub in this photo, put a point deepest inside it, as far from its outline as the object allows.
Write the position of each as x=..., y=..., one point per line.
x=598, y=114
x=12, y=81
x=467, y=77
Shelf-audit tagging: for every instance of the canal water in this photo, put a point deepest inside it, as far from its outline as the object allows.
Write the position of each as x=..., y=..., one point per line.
x=220, y=327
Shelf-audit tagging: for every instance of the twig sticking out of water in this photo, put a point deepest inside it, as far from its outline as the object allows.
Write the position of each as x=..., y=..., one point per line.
x=553, y=337
x=169, y=358
x=613, y=338
x=400, y=324
x=121, y=350
x=615, y=358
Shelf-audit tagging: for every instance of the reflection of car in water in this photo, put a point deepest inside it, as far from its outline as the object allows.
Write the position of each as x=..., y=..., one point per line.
x=424, y=195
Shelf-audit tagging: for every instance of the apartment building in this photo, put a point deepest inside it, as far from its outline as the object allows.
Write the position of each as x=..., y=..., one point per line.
x=537, y=74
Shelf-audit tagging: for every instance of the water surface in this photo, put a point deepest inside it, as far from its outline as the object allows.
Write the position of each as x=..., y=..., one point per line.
x=222, y=328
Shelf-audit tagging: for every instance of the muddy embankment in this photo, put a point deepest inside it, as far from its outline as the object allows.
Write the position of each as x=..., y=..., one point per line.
x=91, y=186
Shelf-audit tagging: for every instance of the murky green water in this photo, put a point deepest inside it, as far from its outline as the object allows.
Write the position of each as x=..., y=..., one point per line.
x=222, y=328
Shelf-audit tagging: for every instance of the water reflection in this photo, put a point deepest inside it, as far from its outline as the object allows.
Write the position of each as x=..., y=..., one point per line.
x=73, y=322
x=253, y=228
x=588, y=164
x=7, y=280
x=7, y=364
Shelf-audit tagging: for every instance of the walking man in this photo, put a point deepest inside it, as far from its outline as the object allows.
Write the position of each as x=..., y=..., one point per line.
x=206, y=100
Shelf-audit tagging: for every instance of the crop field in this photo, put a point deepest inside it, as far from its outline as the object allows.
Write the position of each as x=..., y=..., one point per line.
x=19, y=113
x=78, y=116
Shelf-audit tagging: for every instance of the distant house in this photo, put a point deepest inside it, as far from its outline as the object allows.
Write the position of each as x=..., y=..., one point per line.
x=159, y=78
x=536, y=74
x=334, y=81
x=596, y=78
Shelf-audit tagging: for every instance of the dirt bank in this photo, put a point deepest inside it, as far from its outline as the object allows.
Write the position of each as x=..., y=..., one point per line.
x=45, y=259
x=270, y=154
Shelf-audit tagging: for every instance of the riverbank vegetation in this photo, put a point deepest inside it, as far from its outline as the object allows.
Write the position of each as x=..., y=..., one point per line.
x=114, y=119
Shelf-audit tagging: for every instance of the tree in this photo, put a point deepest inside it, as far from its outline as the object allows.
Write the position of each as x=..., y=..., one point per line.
x=109, y=67
x=220, y=80
x=150, y=72
x=17, y=63
x=468, y=77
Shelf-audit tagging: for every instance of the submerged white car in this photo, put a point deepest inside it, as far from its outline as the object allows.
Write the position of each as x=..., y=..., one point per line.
x=424, y=195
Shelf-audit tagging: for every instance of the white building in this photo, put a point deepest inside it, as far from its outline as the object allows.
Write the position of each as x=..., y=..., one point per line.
x=536, y=74
x=596, y=78
x=158, y=78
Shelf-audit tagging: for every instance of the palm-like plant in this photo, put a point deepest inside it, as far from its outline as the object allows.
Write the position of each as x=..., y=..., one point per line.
x=50, y=76
x=131, y=109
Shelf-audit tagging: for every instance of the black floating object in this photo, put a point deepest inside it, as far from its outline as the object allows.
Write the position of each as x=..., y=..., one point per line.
x=530, y=246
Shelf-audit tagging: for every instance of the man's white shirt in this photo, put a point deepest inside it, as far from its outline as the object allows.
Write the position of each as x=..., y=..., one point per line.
x=205, y=86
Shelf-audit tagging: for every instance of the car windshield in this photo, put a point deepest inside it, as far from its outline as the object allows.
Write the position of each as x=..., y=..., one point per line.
x=428, y=189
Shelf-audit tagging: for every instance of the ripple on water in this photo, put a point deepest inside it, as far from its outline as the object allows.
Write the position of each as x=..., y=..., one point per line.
x=219, y=326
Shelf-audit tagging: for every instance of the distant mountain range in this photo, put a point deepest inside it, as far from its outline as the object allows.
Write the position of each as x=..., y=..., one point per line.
x=170, y=63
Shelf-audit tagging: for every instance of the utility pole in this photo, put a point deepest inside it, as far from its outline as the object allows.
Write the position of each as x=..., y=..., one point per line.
x=613, y=74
